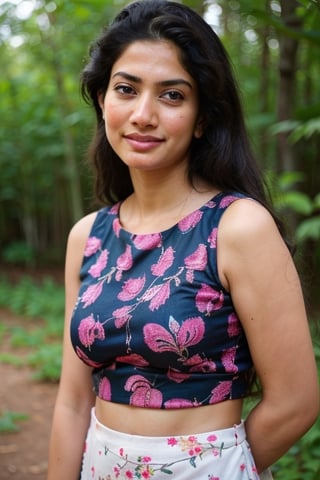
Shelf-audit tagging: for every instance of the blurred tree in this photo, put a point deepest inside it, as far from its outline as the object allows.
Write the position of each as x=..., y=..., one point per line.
x=287, y=77
x=45, y=126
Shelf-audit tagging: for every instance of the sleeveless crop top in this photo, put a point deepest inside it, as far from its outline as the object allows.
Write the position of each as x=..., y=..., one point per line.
x=152, y=317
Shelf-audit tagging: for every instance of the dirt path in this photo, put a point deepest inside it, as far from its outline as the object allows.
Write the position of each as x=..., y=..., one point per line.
x=23, y=455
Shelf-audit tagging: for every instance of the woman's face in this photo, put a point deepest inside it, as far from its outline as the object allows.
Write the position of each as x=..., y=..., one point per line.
x=151, y=107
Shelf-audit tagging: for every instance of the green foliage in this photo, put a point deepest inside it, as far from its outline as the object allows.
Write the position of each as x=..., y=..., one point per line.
x=303, y=459
x=31, y=299
x=43, y=303
x=11, y=359
x=8, y=421
x=47, y=362
x=18, y=253
x=286, y=196
x=297, y=129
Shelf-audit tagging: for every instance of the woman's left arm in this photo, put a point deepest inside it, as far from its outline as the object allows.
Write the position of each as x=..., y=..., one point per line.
x=257, y=268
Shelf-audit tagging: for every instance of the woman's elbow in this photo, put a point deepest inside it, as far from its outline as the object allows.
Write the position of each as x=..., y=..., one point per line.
x=306, y=409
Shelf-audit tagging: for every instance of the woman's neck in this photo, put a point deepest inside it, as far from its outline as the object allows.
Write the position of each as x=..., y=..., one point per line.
x=156, y=205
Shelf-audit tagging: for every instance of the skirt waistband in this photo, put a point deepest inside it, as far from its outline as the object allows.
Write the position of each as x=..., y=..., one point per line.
x=219, y=439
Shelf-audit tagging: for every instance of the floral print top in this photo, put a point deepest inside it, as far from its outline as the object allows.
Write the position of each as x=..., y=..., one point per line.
x=152, y=317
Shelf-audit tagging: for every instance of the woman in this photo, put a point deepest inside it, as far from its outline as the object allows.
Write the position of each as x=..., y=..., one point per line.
x=183, y=288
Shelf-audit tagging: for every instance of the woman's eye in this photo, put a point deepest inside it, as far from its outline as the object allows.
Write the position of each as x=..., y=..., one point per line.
x=173, y=95
x=125, y=89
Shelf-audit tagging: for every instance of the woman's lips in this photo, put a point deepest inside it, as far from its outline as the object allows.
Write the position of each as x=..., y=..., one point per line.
x=142, y=142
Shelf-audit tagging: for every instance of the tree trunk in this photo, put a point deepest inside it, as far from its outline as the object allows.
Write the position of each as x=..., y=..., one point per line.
x=264, y=34
x=287, y=71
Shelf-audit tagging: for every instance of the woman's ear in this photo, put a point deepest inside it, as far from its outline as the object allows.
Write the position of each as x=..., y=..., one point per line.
x=198, y=130
x=101, y=102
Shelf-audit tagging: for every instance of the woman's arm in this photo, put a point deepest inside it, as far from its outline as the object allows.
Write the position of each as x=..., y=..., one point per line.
x=257, y=268
x=75, y=396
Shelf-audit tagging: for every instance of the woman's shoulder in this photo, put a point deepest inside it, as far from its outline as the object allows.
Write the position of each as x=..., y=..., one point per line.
x=91, y=225
x=247, y=226
x=82, y=228
x=246, y=216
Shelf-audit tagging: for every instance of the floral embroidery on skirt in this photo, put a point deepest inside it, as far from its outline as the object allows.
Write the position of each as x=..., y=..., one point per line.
x=220, y=455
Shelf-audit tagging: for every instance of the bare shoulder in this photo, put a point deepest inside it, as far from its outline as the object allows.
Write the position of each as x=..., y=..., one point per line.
x=249, y=242
x=246, y=220
x=81, y=230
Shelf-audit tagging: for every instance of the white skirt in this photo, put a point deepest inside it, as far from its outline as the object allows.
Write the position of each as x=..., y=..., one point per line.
x=219, y=455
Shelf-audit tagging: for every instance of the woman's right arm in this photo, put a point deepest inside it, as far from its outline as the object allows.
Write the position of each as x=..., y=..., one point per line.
x=75, y=397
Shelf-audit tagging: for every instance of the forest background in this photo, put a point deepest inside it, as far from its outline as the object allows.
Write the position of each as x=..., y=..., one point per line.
x=46, y=186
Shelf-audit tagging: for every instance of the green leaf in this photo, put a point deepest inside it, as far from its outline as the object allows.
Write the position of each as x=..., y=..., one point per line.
x=166, y=470
x=309, y=229
x=286, y=126
x=296, y=201
x=316, y=201
x=306, y=130
x=8, y=421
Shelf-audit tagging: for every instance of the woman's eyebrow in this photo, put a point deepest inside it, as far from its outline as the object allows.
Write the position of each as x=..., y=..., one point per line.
x=163, y=83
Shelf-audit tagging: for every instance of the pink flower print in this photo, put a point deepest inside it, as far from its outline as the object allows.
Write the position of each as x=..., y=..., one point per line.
x=234, y=327
x=177, y=376
x=86, y=359
x=161, y=297
x=191, y=445
x=92, y=246
x=129, y=474
x=133, y=359
x=227, y=200
x=212, y=438
x=96, y=269
x=221, y=392
x=190, y=221
x=117, y=471
x=147, y=242
x=161, y=340
x=125, y=261
x=174, y=326
x=242, y=467
x=228, y=359
x=146, y=459
x=198, y=259
x=208, y=300
x=172, y=441
x=89, y=330
x=143, y=394
x=91, y=294
x=114, y=210
x=205, y=366
x=177, y=403
x=212, y=239
x=211, y=204
x=146, y=473
x=190, y=276
x=195, y=451
x=105, y=389
x=116, y=226
x=199, y=364
x=122, y=316
x=150, y=293
x=165, y=261
x=131, y=288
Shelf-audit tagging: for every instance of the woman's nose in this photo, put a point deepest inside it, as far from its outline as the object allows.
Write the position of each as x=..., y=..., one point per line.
x=144, y=112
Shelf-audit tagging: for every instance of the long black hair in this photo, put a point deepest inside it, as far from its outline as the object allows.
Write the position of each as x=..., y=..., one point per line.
x=222, y=156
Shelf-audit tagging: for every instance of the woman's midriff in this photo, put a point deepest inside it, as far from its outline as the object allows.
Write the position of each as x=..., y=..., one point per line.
x=159, y=422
